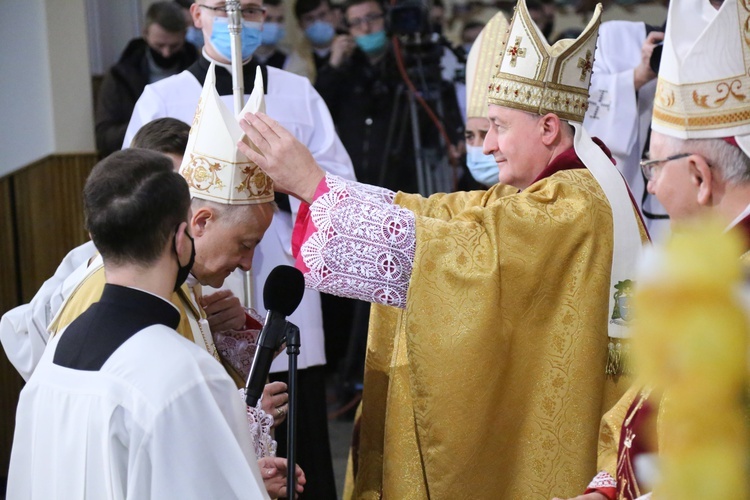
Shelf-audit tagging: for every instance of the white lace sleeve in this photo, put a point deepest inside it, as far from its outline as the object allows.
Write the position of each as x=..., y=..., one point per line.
x=602, y=480
x=363, y=246
x=260, y=424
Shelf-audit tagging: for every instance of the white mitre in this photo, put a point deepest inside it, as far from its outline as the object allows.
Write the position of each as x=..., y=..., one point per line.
x=482, y=63
x=536, y=77
x=213, y=167
x=703, y=90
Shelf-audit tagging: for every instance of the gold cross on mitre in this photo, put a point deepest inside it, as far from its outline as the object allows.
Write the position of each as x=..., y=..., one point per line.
x=516, y=51
x=585, y=65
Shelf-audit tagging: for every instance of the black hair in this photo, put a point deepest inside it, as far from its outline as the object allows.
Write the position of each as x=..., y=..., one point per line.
x=274, y=3
x=352, y=3
x=302, y=7
x=166, y=135
x=168, y=15
x=133, y=202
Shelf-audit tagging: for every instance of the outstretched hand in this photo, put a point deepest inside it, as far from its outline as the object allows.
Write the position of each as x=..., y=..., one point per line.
x=282, y=157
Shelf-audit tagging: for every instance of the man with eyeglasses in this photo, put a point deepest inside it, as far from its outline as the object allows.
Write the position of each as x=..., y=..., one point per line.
x=368, y=101
x=699, y=166
x=292, y=100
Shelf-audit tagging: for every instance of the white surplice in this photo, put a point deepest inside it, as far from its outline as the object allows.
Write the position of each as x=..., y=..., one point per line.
x=296, y=105
x=23, y=329
x=160, y=419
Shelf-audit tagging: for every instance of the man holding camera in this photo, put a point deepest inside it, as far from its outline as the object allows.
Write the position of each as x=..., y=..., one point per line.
x=365, y=92
x=622, y=91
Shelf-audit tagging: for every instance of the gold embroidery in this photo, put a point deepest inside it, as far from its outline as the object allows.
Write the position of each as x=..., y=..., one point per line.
x=586, y=65
x=724, y=90
x=516, y=51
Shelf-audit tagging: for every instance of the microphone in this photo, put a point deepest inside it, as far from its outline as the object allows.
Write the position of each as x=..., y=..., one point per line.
x=282, y=293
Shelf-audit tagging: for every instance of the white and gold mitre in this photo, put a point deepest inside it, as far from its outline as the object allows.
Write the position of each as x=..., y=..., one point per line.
x=213, y=167
x=482, y=62
x=540, y=79
x=703, y=90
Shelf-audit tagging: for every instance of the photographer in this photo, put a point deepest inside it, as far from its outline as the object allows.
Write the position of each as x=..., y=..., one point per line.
x=622, y=92
x=368, y=101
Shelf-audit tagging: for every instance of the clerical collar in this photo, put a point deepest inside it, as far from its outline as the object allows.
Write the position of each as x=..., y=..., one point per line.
x=568, y=160
x=191, y=281
x=226, y=66
x=96, y=334
x=199, y=70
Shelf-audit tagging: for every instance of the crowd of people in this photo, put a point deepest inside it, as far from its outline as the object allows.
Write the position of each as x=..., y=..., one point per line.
x=486, y=327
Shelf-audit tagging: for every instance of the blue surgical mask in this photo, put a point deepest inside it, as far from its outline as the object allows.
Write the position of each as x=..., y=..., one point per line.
x=371, y=43
x=272, y=33
x=482, y=167
x=320, y=33
x=251, y=34
x=194, y=36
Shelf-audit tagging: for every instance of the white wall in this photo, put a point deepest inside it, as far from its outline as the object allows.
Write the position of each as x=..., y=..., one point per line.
x=45, y=97
x=111, y=25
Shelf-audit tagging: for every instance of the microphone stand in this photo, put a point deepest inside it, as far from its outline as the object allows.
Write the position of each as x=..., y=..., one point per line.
x=292, y=350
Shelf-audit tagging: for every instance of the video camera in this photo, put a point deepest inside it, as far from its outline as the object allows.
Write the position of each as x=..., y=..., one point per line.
x=422, y=44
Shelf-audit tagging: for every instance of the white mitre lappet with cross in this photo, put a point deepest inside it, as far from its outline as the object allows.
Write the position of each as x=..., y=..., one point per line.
x=703, y=90
x=535, y=77
x=213, y=166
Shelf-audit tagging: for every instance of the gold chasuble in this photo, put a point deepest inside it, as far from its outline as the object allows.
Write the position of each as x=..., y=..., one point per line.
x=491, y=383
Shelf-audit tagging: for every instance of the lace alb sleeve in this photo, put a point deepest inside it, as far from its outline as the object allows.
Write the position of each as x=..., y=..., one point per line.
x=260, y=424
x=361, y=244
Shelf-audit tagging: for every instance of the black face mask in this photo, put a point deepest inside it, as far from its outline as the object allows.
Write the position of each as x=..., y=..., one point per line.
x=183, y=271
x=165, y=62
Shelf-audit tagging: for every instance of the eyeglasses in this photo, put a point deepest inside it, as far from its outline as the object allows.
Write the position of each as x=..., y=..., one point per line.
x=649, y=167
x=249, y=12
x=368, y=19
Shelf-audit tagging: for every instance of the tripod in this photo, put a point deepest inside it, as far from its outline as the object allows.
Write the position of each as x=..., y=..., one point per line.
x=433, y=171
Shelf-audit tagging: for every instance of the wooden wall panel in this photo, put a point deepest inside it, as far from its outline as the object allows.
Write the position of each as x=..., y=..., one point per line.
x=49, y=212
x=8, y=273
x=10, y=381
x=41, y=219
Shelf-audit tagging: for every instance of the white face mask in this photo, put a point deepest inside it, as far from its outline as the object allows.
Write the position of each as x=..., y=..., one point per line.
x=482, y=167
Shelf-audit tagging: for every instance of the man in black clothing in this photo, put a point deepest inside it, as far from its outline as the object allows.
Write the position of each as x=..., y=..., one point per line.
x=317, y=21
x=161, y=52
x=368, y=101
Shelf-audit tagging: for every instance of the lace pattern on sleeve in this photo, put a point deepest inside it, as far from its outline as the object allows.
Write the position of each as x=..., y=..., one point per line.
x=602, y=480
x=260, y=424
x=364, y=244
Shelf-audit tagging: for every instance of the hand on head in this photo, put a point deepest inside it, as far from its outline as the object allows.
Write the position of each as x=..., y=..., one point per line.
x=282, y=157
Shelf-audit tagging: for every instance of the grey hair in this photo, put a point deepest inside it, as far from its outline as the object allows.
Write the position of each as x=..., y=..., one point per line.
x=231, y=214
x=730, y=161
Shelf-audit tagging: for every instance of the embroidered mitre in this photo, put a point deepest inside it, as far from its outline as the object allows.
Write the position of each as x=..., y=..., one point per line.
x=213, y=167
x=482, y=62
x=540, y=79
x=704, y=81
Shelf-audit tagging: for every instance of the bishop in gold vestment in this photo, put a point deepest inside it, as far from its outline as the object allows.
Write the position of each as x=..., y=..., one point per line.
x=486, y=363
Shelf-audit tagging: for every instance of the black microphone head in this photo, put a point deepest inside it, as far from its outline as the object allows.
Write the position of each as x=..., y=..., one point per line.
x=283, y=290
